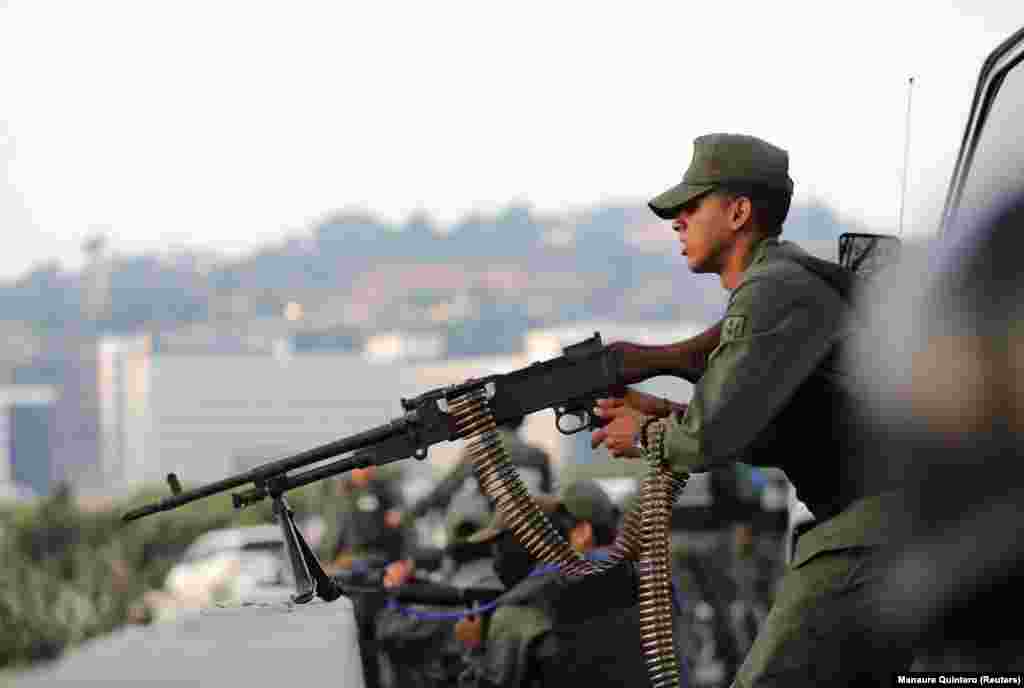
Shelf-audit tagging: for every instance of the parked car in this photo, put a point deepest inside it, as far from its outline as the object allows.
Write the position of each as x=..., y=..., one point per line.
x=231, y=565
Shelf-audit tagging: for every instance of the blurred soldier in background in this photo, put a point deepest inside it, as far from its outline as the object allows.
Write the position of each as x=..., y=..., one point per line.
x=949, y=413
x=419, y=649
x=727, y=547
x=417, y=644
x=550, y=631
x=532, y=463
x=460, y=562
x=753, y=554
x=370, y=534
x=370, y=522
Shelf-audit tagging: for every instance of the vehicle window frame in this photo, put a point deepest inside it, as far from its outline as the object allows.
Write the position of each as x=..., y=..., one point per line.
x=1008, y=55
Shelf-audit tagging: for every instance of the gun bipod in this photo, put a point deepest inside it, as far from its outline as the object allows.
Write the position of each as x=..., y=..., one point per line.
x=310, y=578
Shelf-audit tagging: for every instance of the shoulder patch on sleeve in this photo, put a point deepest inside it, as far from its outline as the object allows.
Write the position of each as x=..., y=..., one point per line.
x=734, y=327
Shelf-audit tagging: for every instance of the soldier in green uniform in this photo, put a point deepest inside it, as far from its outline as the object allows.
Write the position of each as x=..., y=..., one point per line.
x=370, y=533
x=370, y=524
x=773, y=392
x=418, y=645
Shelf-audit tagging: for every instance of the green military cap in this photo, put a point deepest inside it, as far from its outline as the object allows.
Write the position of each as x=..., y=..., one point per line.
x=587, y=501
x=726, y=160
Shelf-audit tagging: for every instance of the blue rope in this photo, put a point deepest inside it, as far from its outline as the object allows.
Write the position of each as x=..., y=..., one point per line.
x=600, y=555
x=596, y=555
x=439, y=616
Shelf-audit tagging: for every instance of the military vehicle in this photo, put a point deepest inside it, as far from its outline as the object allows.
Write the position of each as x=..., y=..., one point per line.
x=958, y=451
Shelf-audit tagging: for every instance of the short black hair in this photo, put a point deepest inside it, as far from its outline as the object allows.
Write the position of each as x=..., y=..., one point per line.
x=770, y=205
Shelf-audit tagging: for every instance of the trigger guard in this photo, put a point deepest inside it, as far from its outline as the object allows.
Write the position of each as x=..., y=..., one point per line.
x=582, y=416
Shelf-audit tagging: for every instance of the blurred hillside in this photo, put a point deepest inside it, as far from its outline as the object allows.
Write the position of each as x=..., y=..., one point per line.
x=479, y=285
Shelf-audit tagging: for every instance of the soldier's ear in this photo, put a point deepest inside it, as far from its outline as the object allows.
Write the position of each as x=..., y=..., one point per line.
x=741, y=211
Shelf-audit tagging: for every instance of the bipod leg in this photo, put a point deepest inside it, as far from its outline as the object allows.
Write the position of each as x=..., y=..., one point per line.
x=310, y=578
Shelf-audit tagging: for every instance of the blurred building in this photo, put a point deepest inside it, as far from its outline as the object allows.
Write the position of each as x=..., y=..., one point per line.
x=123, y=414
x=204, y=416
x=26, y=440
x=19, y=343
x=70, y=368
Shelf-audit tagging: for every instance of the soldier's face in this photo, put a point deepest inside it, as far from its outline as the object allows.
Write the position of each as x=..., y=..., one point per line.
x=361, y=477
x=705, y=232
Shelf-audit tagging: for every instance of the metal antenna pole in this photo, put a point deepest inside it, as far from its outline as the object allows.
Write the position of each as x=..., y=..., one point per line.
x=906, y=153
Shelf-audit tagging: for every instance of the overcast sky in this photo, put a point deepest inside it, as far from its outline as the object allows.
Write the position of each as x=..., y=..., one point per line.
x=230, y=125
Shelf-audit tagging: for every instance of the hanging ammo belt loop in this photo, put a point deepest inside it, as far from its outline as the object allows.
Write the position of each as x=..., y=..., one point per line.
x=643, y=537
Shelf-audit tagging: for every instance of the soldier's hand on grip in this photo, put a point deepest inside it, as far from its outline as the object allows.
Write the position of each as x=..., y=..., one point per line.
x=620, y=435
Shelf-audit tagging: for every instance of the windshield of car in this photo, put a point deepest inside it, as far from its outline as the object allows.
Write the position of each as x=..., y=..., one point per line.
x=223, y=542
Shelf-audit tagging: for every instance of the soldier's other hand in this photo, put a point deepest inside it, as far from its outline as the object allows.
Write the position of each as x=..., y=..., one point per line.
x=470, y=631
x=398, y=573
x=620, y=435
x=647, y=404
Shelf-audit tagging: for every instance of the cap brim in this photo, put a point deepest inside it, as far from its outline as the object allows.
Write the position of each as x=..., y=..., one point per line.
x=483, y=536
x=667, y=205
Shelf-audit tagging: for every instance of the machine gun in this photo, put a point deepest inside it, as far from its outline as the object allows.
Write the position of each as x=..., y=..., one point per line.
x=570, y=384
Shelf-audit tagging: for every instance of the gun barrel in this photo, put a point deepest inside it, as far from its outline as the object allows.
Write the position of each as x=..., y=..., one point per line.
x=143, y=511
x=275, y=468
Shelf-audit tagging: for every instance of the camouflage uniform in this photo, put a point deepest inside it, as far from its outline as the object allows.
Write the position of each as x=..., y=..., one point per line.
x=774, y=393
